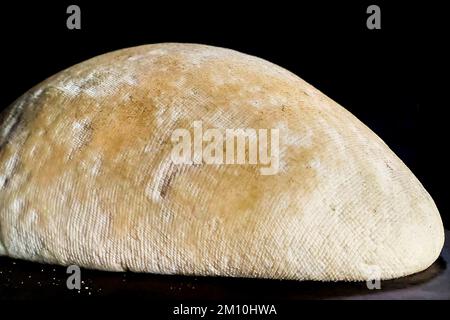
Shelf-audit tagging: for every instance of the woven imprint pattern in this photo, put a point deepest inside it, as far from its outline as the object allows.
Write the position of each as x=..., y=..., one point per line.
x=86, y=175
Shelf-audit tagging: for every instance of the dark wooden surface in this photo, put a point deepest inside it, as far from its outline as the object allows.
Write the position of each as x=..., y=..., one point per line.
x=27, y=280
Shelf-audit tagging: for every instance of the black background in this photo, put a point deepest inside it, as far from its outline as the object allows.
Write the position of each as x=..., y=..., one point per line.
x=393, y=79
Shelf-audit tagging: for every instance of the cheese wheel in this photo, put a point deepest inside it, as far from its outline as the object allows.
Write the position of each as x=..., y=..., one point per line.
x=88, y=176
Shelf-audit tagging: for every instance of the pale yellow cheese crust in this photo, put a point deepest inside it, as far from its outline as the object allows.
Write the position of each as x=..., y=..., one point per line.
x=86, y=176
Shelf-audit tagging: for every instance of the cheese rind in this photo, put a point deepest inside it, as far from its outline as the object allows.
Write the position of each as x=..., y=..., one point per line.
x=86, y=175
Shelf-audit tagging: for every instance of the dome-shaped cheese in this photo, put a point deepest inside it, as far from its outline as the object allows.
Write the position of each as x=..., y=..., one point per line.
x=87, y=176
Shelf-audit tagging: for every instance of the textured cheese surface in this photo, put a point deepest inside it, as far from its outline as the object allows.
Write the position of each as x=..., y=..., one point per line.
x=86, y=175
